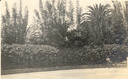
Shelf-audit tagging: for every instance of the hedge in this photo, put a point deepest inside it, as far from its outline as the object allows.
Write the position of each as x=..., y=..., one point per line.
x=87, y=55
x=21, y=56
x=29, y=56
x=117, y=53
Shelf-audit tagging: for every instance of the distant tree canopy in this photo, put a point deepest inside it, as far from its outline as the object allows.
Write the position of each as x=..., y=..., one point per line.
x=14, y=26
x=100, y=25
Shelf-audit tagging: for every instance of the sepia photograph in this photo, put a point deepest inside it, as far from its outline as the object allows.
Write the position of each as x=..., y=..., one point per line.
x=64, y=39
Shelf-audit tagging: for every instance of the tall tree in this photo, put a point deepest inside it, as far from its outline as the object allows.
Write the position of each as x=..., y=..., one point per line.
x=97, y=18
x=119, y=23
x=78, y=13
x=70, y=13
x=53, y=20
x=5, y=25
x=14, y=27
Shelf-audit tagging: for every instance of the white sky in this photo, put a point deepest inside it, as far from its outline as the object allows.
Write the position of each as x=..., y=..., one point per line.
x=33, y=4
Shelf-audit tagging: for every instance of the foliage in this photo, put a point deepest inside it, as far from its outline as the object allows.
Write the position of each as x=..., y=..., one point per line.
x=54, y=20
x=104, y=25
x=34, y=35
x=97, y=35
x=126, y=12
x=119, y=23
x=78, y=13
x=27, y=56
x=98, y=19
x=22, y=56
x=14, y=27
x=74, y=39
x=101, y=24
x=126, y=41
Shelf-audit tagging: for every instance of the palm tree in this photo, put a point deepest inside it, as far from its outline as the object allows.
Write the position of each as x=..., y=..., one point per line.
x=97, y=18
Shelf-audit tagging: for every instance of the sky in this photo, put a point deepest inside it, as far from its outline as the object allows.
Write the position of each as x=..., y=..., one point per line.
x=34, y=4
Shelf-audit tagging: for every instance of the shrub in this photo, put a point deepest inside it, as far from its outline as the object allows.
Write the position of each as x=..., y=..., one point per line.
x=87, y=55
x=117, y=53
x=20, y=56
x=27, y=56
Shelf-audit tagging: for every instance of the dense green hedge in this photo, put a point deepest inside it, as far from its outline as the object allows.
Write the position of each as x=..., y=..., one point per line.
x=87, y=55
x=116, y=53
x=20, y=56
x=28, y=56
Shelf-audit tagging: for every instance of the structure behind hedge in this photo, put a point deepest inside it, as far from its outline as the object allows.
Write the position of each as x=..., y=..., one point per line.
x=29, y=56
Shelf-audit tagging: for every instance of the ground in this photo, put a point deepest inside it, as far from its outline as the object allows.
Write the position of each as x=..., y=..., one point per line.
x=95, y=73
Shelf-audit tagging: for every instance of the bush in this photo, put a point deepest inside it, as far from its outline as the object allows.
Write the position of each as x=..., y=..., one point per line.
x=117, y=53
x=87, y=55
x=20, y=56
x=28, y=56
x=126, y=41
